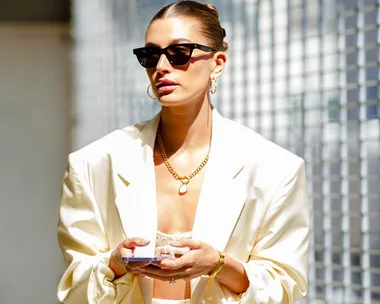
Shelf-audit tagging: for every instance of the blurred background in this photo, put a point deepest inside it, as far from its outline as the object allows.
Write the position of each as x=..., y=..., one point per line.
x=304, y=73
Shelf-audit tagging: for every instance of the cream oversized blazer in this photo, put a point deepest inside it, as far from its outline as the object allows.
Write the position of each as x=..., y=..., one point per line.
x=253, y=206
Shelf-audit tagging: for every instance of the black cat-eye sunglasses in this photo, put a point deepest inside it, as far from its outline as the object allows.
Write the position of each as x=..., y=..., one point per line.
x=177, y=54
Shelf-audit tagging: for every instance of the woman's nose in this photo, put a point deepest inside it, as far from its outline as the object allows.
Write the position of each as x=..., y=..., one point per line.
x=163, y=64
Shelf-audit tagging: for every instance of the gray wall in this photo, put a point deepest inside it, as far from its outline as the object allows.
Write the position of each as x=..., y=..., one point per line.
x=34, y=142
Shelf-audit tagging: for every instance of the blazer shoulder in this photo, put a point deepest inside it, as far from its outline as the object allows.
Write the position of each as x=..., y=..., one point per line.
x=259, y=148
x=126, y=138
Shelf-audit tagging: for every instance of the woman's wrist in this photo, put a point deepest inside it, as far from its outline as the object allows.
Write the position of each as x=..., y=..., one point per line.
x=214, y=262
x=118, y=270
x=218, y=264
x=233, y=276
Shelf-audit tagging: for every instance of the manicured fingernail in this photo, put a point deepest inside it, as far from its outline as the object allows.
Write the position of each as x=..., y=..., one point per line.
x=142, y=241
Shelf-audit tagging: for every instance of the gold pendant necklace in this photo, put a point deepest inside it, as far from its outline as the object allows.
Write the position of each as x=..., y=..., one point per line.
x=183, y=179
x=183, y=188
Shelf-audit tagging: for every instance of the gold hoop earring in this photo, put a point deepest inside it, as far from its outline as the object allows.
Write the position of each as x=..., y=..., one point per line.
x=213, y=86
x=147, y=91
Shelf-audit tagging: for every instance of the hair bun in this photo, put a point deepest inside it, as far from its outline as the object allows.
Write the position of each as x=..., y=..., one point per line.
x=212, y=9
x=225, y=46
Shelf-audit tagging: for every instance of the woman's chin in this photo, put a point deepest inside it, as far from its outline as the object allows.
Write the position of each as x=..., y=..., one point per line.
x=170, y=100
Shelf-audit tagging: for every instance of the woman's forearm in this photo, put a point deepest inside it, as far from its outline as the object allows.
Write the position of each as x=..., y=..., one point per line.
x=233, y=276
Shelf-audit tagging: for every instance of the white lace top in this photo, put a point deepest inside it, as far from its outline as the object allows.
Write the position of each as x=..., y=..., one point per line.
x=163, y=240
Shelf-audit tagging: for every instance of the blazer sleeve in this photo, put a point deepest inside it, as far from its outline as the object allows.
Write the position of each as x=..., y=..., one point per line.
x=278, y=265
x=83, y=241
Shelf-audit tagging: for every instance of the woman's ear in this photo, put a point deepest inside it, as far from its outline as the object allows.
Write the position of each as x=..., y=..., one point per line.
x=220, y=59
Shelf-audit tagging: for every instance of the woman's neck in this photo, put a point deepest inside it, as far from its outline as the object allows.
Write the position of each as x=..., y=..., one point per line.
x=186, y=128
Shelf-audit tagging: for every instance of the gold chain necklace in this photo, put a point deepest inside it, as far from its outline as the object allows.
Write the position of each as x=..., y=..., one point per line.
x=184, y=179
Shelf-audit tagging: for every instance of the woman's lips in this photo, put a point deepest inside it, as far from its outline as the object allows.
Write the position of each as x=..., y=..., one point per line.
x=166, y=88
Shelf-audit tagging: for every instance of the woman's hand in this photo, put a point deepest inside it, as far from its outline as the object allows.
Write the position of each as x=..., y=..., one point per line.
x=200, y=260
x=126, y=249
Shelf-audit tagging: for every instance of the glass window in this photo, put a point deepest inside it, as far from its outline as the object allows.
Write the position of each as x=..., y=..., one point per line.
x=352, y=113
x=372, y=93
x=352, y=96
x=350, y=21
x=356, y=277
x=338, y=276
x=354, y=202
x=351, y=40
x=372, y=73
x=352, y=58
x=374, y=241
x=372, y=55
x=375, y=295
x=370, y=2
x=370, y=37
x=374, y=261
x=370, y=18
x=352, y=76
x=349, y=4
x=373, y=111
x=356, y=260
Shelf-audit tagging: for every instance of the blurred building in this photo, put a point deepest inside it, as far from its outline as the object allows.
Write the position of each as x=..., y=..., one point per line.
x=305, y=74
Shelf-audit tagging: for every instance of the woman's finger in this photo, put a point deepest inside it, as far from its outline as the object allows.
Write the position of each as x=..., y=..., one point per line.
x=125, y=252
x=138, y=273
x=135, y=242
x=191, y=244
x=135, y=265
x=185, y=261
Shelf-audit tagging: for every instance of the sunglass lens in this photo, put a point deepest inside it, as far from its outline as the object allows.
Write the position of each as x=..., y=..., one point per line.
x=148, y=57
x=179, y=54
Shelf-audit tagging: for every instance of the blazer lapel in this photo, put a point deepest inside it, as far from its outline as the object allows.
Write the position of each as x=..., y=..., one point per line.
x=135, y=192
x=222, y=197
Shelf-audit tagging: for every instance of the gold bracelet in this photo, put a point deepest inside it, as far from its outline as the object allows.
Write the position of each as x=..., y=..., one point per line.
x=222, y=261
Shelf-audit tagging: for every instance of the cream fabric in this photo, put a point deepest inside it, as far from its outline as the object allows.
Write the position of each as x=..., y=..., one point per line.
x=253, y=206
x=162, y=301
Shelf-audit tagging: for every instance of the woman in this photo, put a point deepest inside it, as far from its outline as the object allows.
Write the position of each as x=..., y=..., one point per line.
x=229, y=206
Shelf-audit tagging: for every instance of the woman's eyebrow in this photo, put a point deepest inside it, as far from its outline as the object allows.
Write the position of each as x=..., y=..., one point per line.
x=151, y=44
x=179, y=40
x=174, y=41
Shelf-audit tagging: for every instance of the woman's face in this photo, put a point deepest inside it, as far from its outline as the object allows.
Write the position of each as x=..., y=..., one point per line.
x=178, y=85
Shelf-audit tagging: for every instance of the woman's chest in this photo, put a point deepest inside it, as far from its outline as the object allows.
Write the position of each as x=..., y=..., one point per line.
x=176, y=211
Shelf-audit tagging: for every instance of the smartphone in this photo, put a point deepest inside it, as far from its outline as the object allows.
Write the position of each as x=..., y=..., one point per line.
x=145, y=259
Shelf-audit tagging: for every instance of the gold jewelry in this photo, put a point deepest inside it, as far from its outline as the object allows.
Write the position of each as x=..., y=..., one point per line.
x=222, y=261
x=213, y=86
x=184, y=179
x=147, y=91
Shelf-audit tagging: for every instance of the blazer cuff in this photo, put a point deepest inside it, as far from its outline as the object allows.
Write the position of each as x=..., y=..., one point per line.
x=102, y=283
x=258, y=290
